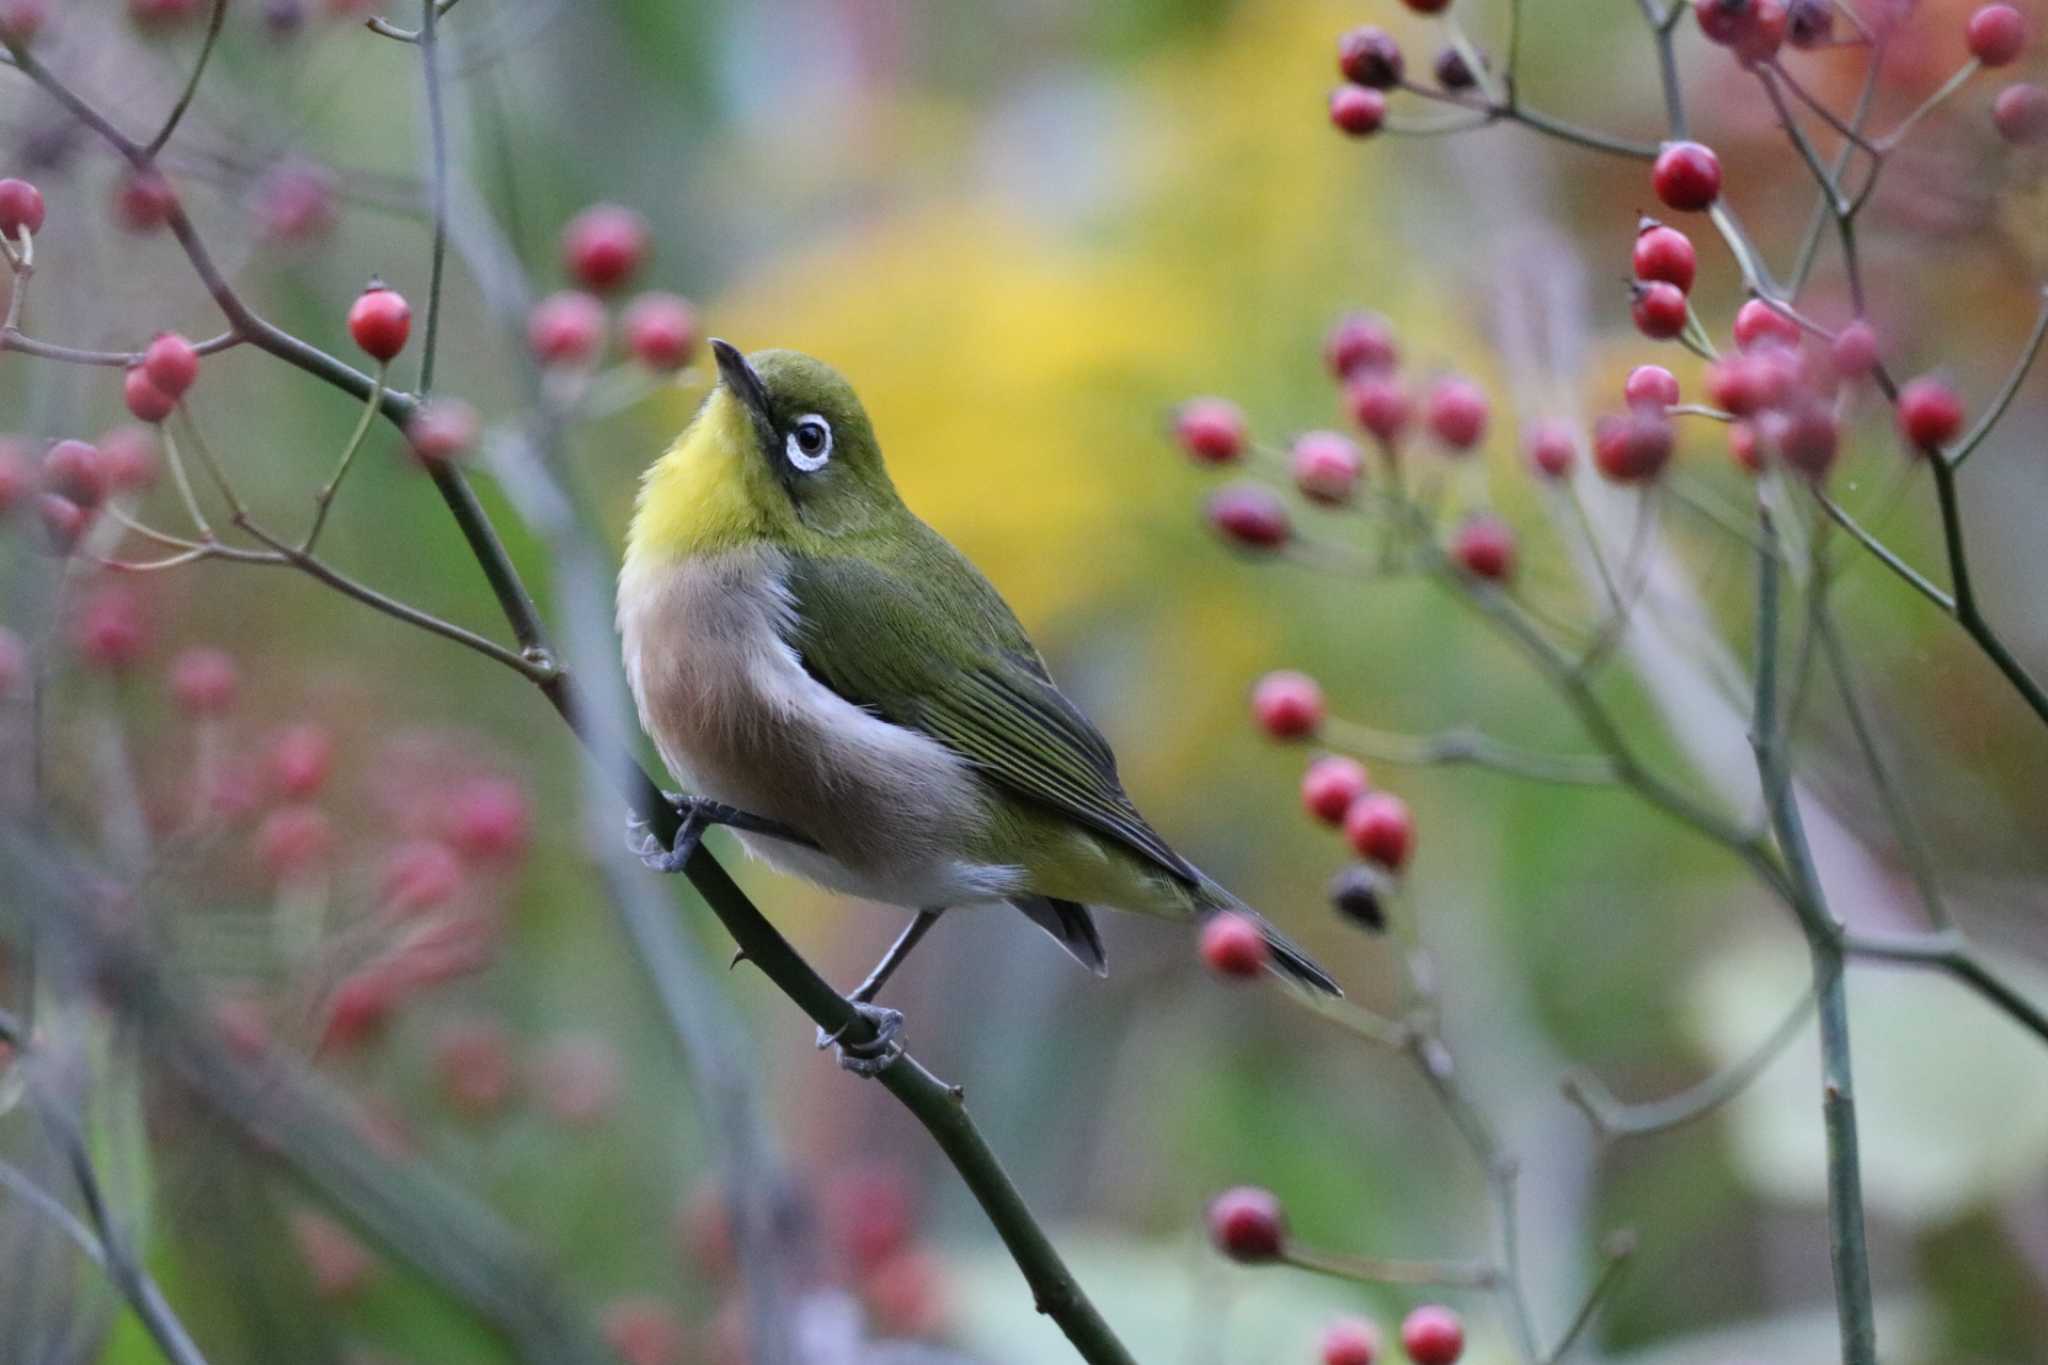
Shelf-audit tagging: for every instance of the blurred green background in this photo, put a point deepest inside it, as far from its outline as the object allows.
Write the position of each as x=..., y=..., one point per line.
x=1025, y=232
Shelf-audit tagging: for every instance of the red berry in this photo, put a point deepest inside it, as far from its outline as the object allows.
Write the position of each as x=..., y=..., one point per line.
x=1287, y=704
x=1650, y=386
x=1456, y=412
x=1809, y=23
x=17, y=473
x=1349, y=1341
x=1805, y=438
x=1552, y=449
x=171, y=364
x=359, y=1005
x=473, y=1063
x=420, y=875
x=1855, y=350
x=489, y=818
x=21, y=20
x=1247, y=1224
x=1381, y=406
x=1451, y=72
x=1757, y=324
x=162, y=13
x=146, y=402
x=1251, y=516
x=301, y=759
x=444, y=429
x=1359, y=342
x=1381, y=829
x=64, y=521
x=661, y=331
x=203, y=681
x=1331, y=784
x=567, y=328
x=1930, y=414
x=1658, y=308
x=1632, y=447
x=21, y=207
x=1433, y=1335
x=1326, y=466
x=1369, y=56
x=1232, y=945
x=379, y=321
x=1995, y=34
x=2020, y=113
x=295, y=203
x=336, y=1262
x=110, y=631
x=1357, y=110
x=604, y=245
x=1686, y=176
x=1748, y=383
x=74, y=470
x=1428, y=6
x=128, y=459
x=143, y=201
x=1211, y=430
x=1745, y=448
x=642, y=1331
x=1664, y=253
x=1485, y=547
x=1753, y=29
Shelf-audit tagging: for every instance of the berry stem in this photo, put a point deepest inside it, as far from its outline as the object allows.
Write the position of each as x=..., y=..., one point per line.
x=1934, y=101
x=2007, y=391
x=1619, y=1248
x=1816, y=225
x=1469, y=746
x=1382, y=1270
x=176, y=462
x=1849, y=131
x=323, y=499
x=1890, y=558
x=1661, y=33
x=1948, y=951
x=214, y=23
x=13, y=340
x=437, y=189
x=1615, y=1119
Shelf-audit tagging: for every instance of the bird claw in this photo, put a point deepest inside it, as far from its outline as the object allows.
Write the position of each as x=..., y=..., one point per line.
x=875, y=1056
x=672, y=857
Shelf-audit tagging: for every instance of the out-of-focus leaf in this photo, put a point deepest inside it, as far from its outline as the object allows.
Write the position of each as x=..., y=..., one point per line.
x=1951, y=1096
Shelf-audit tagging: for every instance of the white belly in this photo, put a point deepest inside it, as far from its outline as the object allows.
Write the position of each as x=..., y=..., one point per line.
x=737, y=718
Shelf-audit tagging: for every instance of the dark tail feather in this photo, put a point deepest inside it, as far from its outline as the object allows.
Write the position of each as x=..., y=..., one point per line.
x=1071, y=927
x=1288, y=959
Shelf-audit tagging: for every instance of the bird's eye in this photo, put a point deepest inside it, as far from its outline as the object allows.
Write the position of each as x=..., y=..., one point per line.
x=810, y=443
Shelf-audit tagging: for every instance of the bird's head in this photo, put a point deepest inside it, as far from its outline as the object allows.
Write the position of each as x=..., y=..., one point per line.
x=780, y=452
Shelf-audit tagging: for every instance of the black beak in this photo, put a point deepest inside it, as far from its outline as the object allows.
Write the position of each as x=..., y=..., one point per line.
x=746, y=386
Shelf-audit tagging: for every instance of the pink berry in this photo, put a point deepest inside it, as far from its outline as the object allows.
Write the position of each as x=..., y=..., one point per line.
x=1369, y=56
x=1650, y=386
x=1686, y=176
x=1456, y=412
x=1360, y=342
x=143, y=201
x=145, y=401
x=870, y=1212
x=1752, y=29
x=172, y=364
x=1485, y=547
x=576, y=1081
x=1326, y=466
x=1210, y=430
x=1287, y=704
x=204, y=681
x=420, y=875
x=1995, y=34
x=128, y=459
x=489, y=819
x=1930, y=414
x=1745, y=448
x=2020, y=113
x=162, y=13
x=336, y=1263
x=21, y=209
x=604, y=245
x=1349, y=1341
x=1746, y=384
x=380, y=321
x=1658, y=308
x=567, y=328
x=444, y=429
x=1380, y=405
x=1381, y=830
x=1232, y=945
x=110, y=631
x=1357, y=110
x=301, y=759
x=1247, y=1224
x=1552, y=449
x=473, y=1063
x=1433, y=1335
x=17, y=473
x=1806, y=438
x=295, y=203
x=661, y=331
x=1664, y=253
x=74, y=470
x=1250, y=516
x=1632, y=447
x=1855, y=350
x=643, y=1331
x=64, y=521
x=359, y=1005
x=21, y=20
x=1758, y=324
x=1331, y=784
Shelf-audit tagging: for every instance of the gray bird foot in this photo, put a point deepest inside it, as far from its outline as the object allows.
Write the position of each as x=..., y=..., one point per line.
x=698, y=813
x=870, y=1058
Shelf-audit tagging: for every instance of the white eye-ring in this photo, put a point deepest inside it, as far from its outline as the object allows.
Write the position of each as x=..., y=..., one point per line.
x=810, y=443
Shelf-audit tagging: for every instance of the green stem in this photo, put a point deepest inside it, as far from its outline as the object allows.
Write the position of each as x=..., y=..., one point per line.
x=2006, y=391
x=1614, y=1118
x=323, y=500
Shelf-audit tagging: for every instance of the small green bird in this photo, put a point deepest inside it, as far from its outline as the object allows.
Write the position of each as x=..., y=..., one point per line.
x=840, y=685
